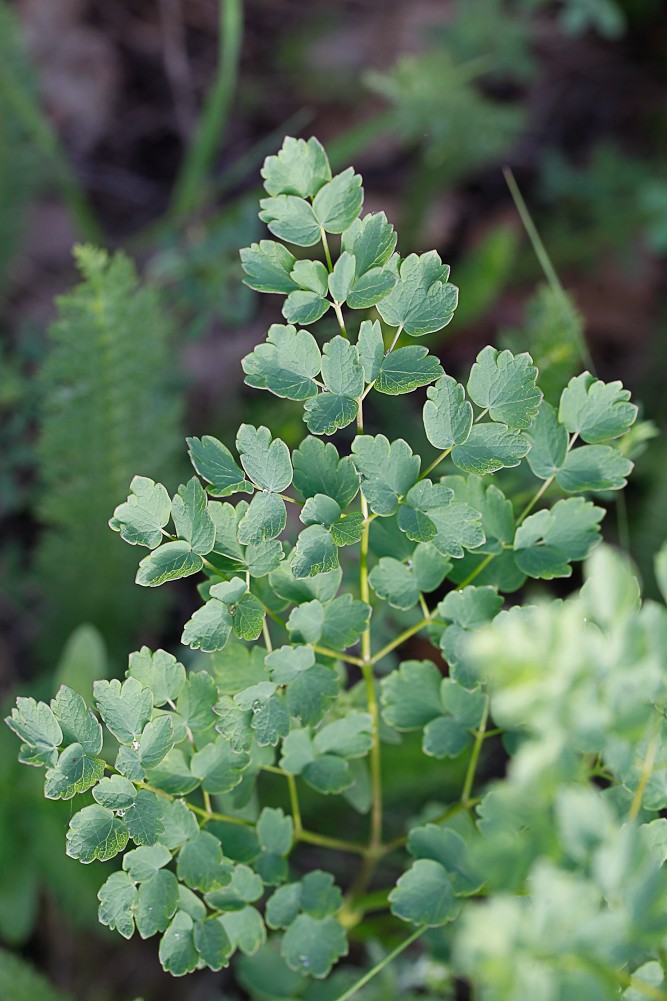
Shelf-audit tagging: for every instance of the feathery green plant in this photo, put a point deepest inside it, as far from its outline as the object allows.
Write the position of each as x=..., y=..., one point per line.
x=299, y=687
x=108, y=390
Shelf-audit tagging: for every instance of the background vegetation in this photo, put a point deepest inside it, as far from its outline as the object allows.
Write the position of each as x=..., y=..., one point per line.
x=140, y=127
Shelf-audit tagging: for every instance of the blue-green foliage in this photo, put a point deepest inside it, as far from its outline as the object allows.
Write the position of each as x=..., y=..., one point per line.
x=307, y=555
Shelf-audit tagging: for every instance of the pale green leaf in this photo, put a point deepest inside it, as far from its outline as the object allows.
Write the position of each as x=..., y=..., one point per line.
x=170, y=561
x=424, y=895
x=504, y=384
x=95, y=833
x=341, y=278
x=156, y=904
x=216, y=464
x=191, y=518
x=370, y=345
x=141, y=518
x=212, y=943
x=159, y=671
x=218, y=766
x=115, y=792
x=318, y=469
x=275, y=831
x=267, y=265
x=372, y=241
x=490, y=447
x=395, y=582
x=371, y=287
x=177, y=951
x=338, y=203
x=311, y=276
x=142, y=863
x=300, y=168
x=304, y=307
x=77, y=722
x=413, y=514
x=200, y=863
x=447, y=414
x=406, y=369
x=548, y=443
x=411, y=695
x=328, y=413
x=594, y=467
x=350, y=737
x=595, y=410
x=423, y=301
x=156, y=740
x=124, y=708
x=209, y=628
x=35, y=724
x=315, y=552
x=458, y=527
x=265, y=460
x=388, y=470
x=74, y=772
x=118, y=897
x=311, y=945
x=264, y=520
x=245, y=929
x=341, y=368
x=320, y=510
x=547, y=542
x=144, y=818
x=291, y=219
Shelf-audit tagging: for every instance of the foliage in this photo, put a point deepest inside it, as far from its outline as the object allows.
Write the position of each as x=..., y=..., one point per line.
x=107, y=390
x=19, y=982
x=301, y=684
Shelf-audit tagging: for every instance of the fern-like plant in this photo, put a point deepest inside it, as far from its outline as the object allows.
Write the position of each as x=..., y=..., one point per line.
x=303, y=684
x=108, y=388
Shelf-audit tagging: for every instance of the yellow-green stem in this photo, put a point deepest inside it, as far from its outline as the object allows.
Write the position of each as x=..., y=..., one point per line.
x=474, y=758
x=296, y=810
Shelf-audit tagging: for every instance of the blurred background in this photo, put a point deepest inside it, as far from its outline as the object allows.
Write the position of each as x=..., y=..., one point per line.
x=140, y=128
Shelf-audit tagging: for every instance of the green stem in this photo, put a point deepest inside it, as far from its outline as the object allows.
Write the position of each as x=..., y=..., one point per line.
x=327, y=252
x=339, y=316
x=401, y=638
x=474, y=758
x=436, y=462
x=390, y=957
x=647, y=770
x=478, y=569
x=336, y=844
x=391, y=347
x=326, y=652
x=294, y=803
x=190, y=183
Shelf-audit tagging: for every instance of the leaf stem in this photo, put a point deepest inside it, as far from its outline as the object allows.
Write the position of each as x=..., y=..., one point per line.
x=327, y=252
x=357, y=661
x=647, y=770
x=436, y=462
x=336, y=844
x=401, y=638
x=390, y=957
x=294, y=803
x=339, y=316
x=474, y=758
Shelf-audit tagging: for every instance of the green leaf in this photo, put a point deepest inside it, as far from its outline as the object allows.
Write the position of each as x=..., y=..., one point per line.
x=289, y=589
x=141, y=518
x=218, y=766
x=245, y=929
x=548, y=443
x=95, y=833
x=490, y=447
x=268, y=265
x=244, y=887
x=212, y=943
x=371, y=287
x=350, y=737
x=448, y=415
x=156, y=740
x=291, y=219
x=312, y=945
x=275, y=831
x=196, y=701
x=341, y=278
x=370, y=345
x=466, y=610
x=388, y=470
x=266, y=461
x=169, y=562
x=248, y=617
x=315, y=552
x=504, y=384
x=423, y=301
x=35, y=724
x=595, y=410
x=115, y=792
x=263, y=557
x=458, y=527
x=173, y=774
x=660, y=570
x=411, y=695
x=413, y=514
x=191, y=518
x=157, y=901
x=118, y=897
x=348, y=530
x=318, y=469
x=395, y=582
x=215, y=464
x=209, y=628
x=304, y=307
x=144, y=818
x=74, y=773
x=547, y=542
x=309, y=694
x=328, y=413
x=300, y=168
x=124, y=708
x=462, y=711
x=159, y=671
x=283, y=906
x=264, y=520
x=444, y=845
x=77, y=722
x=142, y=863
x=406, y=369
x=372, y=241
x=311, y=276
x=177, y=951
x=338, y=203
x=424, y=895
x=594, y=467
x=200, y=863
x=320, y=510
x=270, y=719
